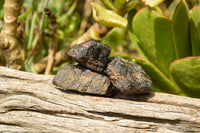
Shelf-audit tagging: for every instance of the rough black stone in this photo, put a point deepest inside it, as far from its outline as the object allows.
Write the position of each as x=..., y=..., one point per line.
x=92, y=54
x=128, y=77
x=83, y=80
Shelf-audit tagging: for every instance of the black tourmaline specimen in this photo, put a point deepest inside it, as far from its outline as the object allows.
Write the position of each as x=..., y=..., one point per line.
x=92, y=54
x=127, y=76
x=83, y=80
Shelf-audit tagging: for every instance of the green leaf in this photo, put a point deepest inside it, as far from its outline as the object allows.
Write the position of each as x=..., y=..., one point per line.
x=137, y=44
x=31, y=33
x=29, y=64
x=121, y=54
x=1, y=4
x=186, y=74
x=153, y=3
x=180, y=30
x=130, y=16
x=108, y=4
x=24, y=15
x=115, y=38
x=172, y=7
x=159, y=80
x=157, y=9
x=68, y=13
x=130, y=5
x=119, y=3
x=1, y=9
x=107, y=17
x=195, y=30
x=155, y=39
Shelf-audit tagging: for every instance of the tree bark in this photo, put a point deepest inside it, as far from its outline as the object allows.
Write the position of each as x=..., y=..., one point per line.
x=10, y=46
x=31, y=103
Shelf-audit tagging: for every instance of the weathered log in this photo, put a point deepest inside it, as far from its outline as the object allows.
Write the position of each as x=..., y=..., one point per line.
x=31, y=103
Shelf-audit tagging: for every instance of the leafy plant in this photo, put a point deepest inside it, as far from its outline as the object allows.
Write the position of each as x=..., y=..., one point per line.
x=165, y=42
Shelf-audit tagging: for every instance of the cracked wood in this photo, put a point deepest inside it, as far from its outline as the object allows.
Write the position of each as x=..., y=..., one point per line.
x=31, y=103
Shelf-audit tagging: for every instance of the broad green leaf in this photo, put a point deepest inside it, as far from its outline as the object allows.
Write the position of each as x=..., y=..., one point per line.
x=108, y=4
x=159, y=80
x=130, y=5
x=172, y=7
x=157, y=9
x=195, y=30
x=137, y=44
x=180, y=30
x=107, y=17
x=119, y=3
x=155, y=39
x=186, y=74
x=131, y=14
x=133, y=37
x=153, y=3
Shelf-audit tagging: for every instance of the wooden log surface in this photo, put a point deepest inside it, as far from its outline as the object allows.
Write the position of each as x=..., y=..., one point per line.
x=31, y=103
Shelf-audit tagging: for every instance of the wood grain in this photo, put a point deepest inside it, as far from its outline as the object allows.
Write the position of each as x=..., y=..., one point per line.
x=31, y=103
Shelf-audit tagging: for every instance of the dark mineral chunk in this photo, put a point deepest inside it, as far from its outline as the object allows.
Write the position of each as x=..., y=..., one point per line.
x=128, y=77
x=92, y=54
x=83, y=80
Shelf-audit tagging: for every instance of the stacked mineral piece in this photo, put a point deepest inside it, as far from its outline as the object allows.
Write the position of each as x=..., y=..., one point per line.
x=96, y=73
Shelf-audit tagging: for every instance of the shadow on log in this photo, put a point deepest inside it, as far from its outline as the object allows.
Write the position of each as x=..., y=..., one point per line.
x=31, y=103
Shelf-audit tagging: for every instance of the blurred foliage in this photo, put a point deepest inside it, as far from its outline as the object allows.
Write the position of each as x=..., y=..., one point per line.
x=140, y=28
x=67, y=18
x=1, y=12
x=36, y=26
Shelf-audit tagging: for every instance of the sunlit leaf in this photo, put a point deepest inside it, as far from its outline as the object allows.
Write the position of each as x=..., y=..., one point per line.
x=186, y=74
x=155, y=39
x=121, y=54
x=172, y=7
x=119, y=3
x=153, y=3
x=130, y=5
x=157, y=9
x=195, y=30
x=108, y=4
x=180, y=30
x=107, y=17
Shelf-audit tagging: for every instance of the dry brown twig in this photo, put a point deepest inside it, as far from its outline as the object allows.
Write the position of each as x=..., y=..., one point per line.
x=86, y=14
x=53, y=40
x=8, y=42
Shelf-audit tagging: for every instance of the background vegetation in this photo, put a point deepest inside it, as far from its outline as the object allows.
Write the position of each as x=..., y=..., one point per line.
x=48, y=28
